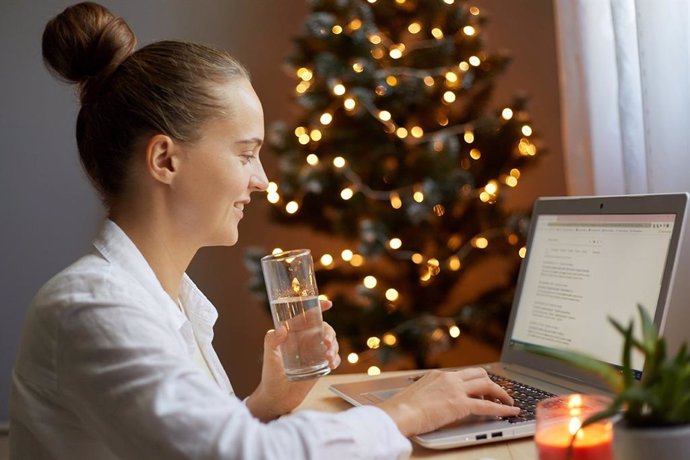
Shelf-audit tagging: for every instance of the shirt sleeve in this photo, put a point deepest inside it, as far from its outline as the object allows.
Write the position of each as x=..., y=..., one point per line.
x=124, y=374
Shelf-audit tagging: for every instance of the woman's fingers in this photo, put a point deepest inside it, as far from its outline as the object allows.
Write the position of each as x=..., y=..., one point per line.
x=487, y=388
x=486, y=407
x=332, y=346
x=326, y=304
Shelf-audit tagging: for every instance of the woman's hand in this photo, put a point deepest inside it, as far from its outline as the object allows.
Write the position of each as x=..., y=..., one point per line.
x=276, y=395
x=442, y=397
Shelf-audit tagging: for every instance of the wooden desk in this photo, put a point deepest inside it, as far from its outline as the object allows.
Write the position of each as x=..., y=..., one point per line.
x=321, y=398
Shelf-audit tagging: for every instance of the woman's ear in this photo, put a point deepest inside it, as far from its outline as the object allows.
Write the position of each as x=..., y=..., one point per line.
x=162, y=158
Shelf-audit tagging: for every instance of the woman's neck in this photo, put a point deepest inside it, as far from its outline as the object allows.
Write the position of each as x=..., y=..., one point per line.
x=165, y=249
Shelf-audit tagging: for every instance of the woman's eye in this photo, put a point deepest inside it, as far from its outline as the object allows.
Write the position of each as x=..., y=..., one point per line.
x=246, y=158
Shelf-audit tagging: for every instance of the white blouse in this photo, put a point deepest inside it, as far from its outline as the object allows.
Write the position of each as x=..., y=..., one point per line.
x=106, y=370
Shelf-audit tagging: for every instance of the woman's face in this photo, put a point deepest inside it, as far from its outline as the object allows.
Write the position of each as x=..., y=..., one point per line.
x=218, y=172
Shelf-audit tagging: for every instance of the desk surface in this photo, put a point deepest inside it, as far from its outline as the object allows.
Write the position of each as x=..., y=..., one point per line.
x=321, y=398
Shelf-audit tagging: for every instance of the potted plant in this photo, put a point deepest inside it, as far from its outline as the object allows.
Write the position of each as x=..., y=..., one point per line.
x=653, y=412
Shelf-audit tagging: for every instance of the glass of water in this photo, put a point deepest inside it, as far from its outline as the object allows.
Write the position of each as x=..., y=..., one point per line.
x=294, y=298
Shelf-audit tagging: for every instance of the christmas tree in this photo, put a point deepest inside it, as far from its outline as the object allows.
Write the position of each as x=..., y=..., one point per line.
x=396, y=153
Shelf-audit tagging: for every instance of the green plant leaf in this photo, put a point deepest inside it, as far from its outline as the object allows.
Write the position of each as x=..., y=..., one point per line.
x=649, y=333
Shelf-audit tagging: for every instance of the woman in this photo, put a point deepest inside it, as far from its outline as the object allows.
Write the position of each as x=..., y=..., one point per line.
x=116, y=358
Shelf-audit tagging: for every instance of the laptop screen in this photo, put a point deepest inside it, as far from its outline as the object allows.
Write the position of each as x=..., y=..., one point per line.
x=582, y=269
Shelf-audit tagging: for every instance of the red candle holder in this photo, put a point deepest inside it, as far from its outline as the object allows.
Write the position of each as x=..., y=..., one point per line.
x=559, y=421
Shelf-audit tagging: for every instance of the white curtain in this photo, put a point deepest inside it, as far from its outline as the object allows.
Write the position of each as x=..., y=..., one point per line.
x=625, y=95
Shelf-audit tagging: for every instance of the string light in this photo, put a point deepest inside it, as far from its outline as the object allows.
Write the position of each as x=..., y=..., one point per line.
x=312, y=159
x=304, y=73
x=454, y=263
x=451, y=77
x=375, y=39
x=429, y=80
x=370, y=282
x=418, y=196
x=384, y=115
x=315, y=135
x=339, y=162
x=522, y=252
x=474, y=11
x=292, y=207
x=417, y=132
x=373, y=342
x=464, y=66
x=346, y=193
x=336, y=29
x=417, y=258
x=396, y=202
x=475, y=154
x=526, y=130
x=391, y=80
x=468, y=137
x=437, y=33
x=395, y=243
x=326, y=118
x=339, y=89
x=355, y=24
x=474, y=60
x=449, y=97
x=358, y=67
x=480, y=242
x=357, y=260
x=414, y=28
x=373, y=370
x=469, y=31
x=401, y=132
x=349, y=104
x=326, y=260
x=507, y=113
x=346, y=255
x=392, y=294
x=304, y=139
x=390, y=339
x=302, y=87
x=454, y=331
x=352, y=358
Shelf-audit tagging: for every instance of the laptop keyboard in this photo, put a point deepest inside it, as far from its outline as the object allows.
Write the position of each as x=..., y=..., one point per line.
x=525, y=397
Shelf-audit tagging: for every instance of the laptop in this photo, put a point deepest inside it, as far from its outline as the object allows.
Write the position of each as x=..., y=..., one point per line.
x=587, y=258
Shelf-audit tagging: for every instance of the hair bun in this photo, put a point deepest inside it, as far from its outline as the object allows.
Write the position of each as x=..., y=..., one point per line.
x=85, y=43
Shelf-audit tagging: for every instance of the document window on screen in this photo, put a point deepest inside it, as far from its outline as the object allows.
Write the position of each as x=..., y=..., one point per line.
x=583, y=269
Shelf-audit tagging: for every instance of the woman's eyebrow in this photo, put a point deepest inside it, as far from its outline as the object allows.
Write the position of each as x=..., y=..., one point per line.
x=254, y=142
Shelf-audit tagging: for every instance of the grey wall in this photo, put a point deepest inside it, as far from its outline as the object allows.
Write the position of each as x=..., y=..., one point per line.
x=48, y=212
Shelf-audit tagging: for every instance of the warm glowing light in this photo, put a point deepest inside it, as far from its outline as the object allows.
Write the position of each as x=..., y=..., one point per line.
x=300, y=130
x=392, y=295
x=391, y=80
x=326, y=118
x=326, y=260
x=302, y=87
x=433, y=263
x=355, y=24
x=272, y=187
x=304, y=139
x=511, y=181
x=417, y=131
x=276, y=251
x=480, y=242
x=491, y=187
x=349, y=103
x=449, y=2
x=315, y=135
x=358, y=67
x=418, y=196
x=396, y=202
x=454, y=242
x=373, y=342
x=454, y=331
x=373, y=370
x=273, y=198
x=513, y=239
x=292, y=207
x=357, y=260
x=384, y=115
x=527, y=148
x=468, y=136
x=426, y=276
x=429, y=80
x=389, y=339
x=515, y=173
x=454, y=263
x=339, y=89
x=352, y=358
x=346, y=193
x=371, y=1
x=522, y=252
x=449, y=97
x=377, y=53
x=474, y=60
x=375, y=39
x=574, y=425
x=370, y=282
x=526, y=130
x=475, y=154
x=414, y=28
x=474, y=11
x=451, y=77
x=400, y=2
x=396, y=53
x=339, y=162
x=484, y=197
x=401, y=132
x=442, y=120
x=417, y=258
x=346, y=255
x=469, y=31
x=464, y=66
x=437, y=33
x=304, y=73
x=395, y=243
x=507, y=114
x=336, y=29
x=312, y=159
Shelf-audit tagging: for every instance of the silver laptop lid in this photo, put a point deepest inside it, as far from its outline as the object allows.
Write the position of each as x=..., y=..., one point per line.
x=588, y=259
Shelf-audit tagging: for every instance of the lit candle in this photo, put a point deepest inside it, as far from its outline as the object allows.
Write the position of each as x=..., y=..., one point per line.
x=560, y=418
